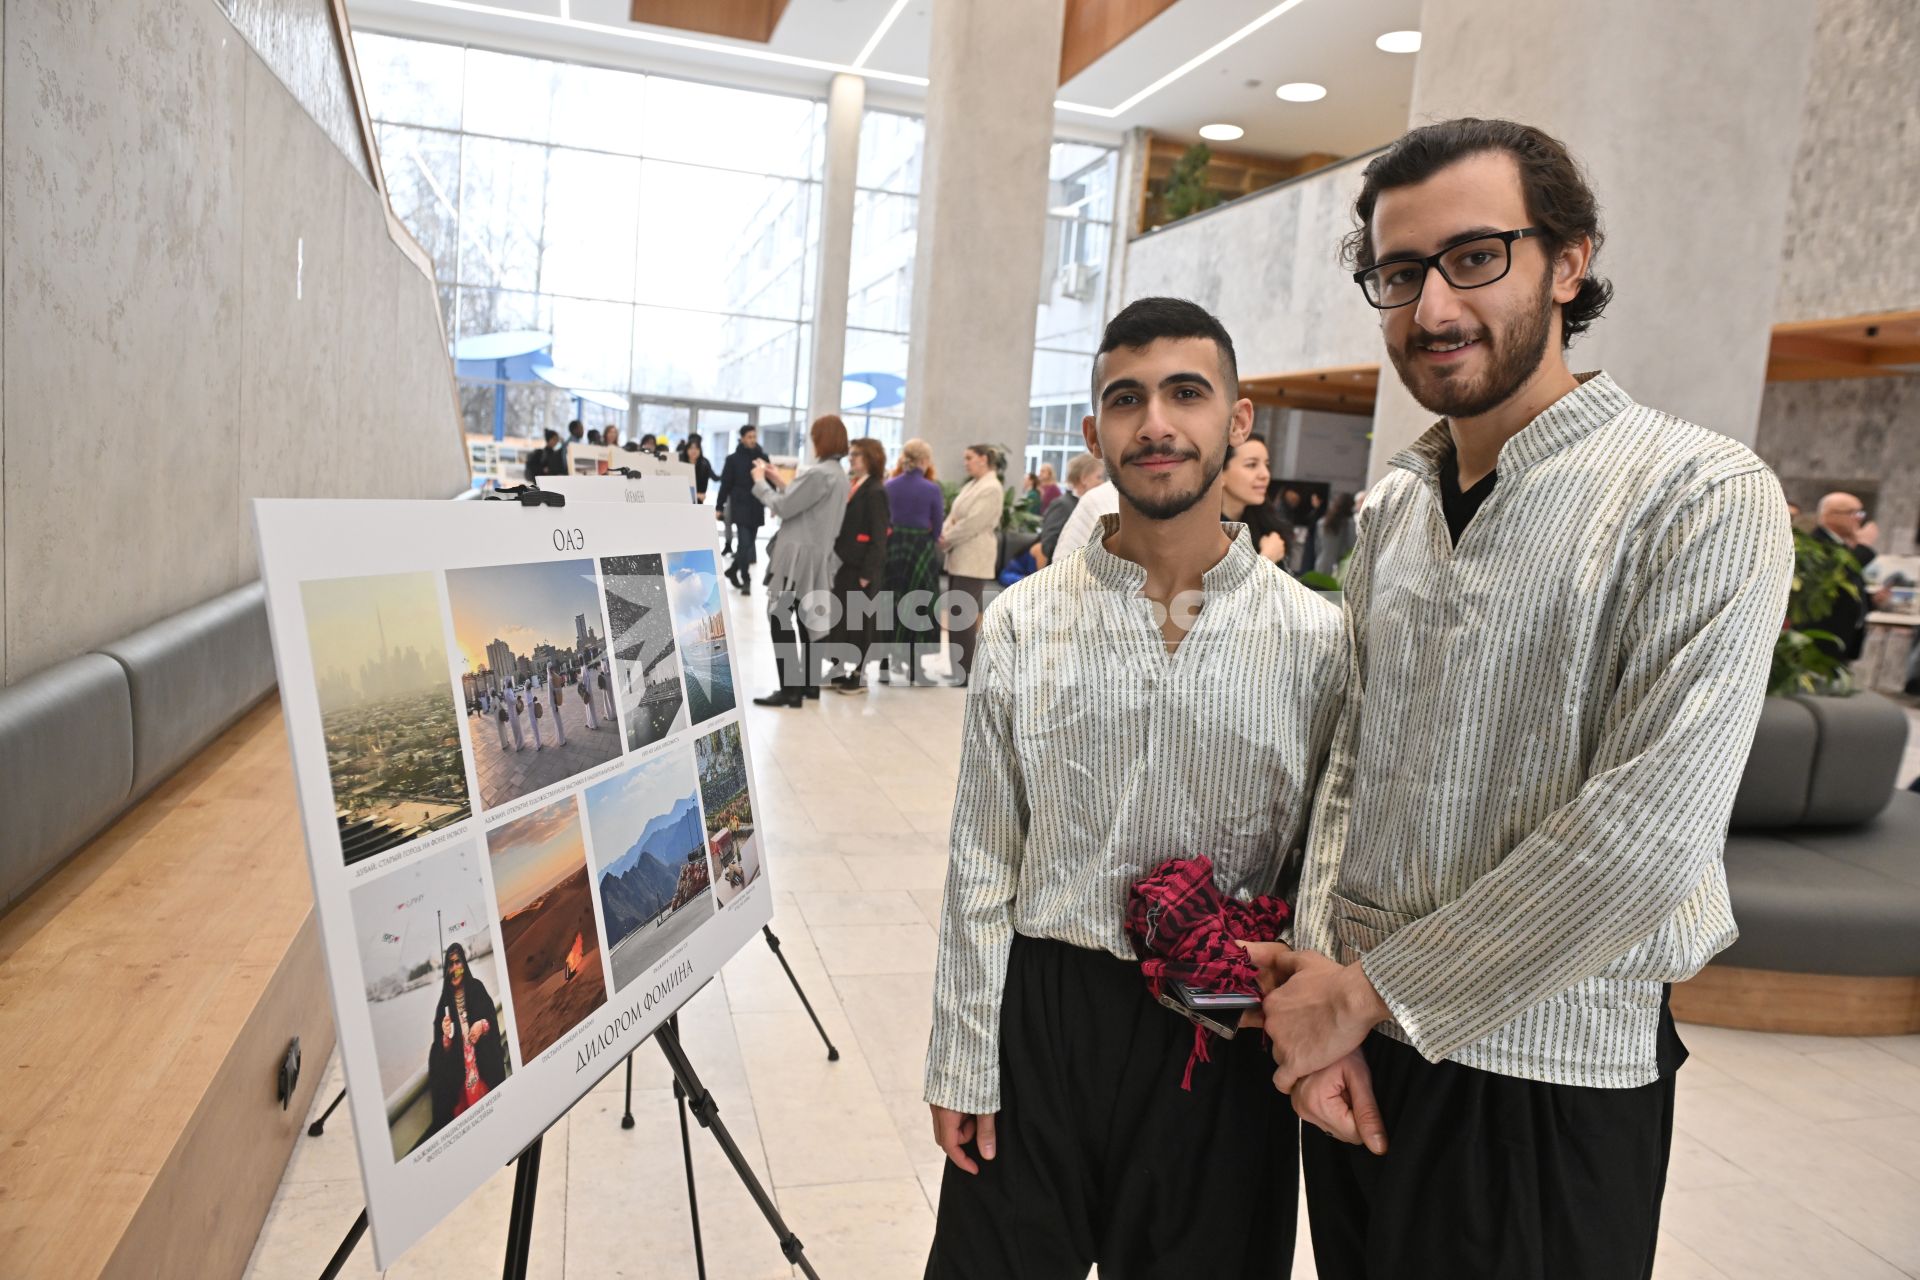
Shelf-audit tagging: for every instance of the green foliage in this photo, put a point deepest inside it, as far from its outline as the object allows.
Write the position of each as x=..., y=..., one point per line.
x=1015, y=515
x=1319, y=581
x=1187, y=191
x=1821, y=576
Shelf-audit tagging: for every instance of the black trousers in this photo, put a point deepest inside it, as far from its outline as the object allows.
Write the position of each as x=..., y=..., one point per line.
x=794, y=658
x=746, y=538
x=963, y=638
x=1490, y=1177
x=1102, y=1158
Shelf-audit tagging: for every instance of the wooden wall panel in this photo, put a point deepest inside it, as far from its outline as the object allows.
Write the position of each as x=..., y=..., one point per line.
x=1095, y=26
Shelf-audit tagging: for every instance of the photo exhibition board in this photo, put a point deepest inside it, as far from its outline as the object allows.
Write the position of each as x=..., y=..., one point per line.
x=528, y=805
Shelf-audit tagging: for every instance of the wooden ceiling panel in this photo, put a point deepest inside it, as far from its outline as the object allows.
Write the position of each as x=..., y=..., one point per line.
x=740, y=19
x=1095, y=26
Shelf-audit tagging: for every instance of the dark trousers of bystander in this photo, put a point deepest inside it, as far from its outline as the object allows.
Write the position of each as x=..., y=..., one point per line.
x=794, y=658
x=961, y=638
x=1102, y=1158
x=1491, y=1177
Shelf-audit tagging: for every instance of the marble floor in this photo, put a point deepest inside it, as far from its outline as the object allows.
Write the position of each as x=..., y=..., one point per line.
x=1794, y=1157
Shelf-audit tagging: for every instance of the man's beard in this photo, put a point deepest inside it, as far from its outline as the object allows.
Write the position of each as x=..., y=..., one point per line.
x=1512, y=357
x=1165, y=506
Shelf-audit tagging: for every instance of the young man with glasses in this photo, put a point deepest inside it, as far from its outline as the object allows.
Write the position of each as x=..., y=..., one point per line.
x=1563, y=606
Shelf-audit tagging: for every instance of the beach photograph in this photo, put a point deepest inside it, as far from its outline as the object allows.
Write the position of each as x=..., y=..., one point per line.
x=700, y=627
x=529, y=648
x=547, y=928
x=387, y=709
x=433, y=991
x=650, y=857
x=644, y=673
x=733, y=842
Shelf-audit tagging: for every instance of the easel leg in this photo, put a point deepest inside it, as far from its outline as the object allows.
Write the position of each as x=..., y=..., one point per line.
x=626, y=1121
x=693, y=1195
x=833, y=1054
x=708, y=1113
x=345, y=1250
x=526, y=1183
x=319, y=1126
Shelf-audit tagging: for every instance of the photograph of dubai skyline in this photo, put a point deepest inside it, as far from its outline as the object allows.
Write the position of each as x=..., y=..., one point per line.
x=387, y=709
x=532, y=629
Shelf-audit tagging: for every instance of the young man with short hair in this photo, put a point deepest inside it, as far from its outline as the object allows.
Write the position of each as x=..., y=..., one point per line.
x=1563, y=606
x=1160, y=692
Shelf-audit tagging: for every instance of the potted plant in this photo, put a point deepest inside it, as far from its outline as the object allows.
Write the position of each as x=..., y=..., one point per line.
x=1806, y=660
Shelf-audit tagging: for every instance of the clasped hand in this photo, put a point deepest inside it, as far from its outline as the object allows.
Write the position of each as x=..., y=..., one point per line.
x=1316, y=1012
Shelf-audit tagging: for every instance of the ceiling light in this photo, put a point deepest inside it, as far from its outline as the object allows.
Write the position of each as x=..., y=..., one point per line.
x=1398, y=42
x=1221, y=132
x=1300, y=91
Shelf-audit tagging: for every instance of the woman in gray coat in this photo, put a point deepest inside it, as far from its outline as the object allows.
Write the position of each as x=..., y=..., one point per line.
x=800, y=577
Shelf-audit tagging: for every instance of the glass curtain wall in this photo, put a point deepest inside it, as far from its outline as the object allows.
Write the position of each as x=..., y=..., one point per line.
x=659, y=230
x=1071, y=295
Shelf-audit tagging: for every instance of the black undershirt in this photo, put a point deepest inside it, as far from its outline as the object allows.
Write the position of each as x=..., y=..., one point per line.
x=1459, y=507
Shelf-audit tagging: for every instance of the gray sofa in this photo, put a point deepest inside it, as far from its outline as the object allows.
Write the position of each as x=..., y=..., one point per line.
x=82, y=741
x=1823, y=861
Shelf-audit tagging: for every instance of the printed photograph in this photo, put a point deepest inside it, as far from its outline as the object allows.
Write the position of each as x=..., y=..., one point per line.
x=433, y=991
x=733, y=843
x=700, y=626
x=546, y=924
x=641, y=625
x=530, y=652
x=650, y=855
x=386, y=709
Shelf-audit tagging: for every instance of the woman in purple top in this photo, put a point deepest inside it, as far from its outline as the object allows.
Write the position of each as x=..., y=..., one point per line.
x=913, y=562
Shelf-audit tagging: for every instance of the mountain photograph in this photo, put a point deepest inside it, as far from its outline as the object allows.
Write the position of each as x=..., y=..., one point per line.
x=650, y=860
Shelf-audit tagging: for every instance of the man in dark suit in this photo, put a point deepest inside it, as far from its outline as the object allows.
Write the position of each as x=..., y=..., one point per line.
x=736, y=505
x=1842, y=518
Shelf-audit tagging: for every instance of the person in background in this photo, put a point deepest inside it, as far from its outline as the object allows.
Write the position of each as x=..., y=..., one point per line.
x=1049, y=487
x=736, y=504
x=1030, y=492
x=918, y=511
x=800, y=578
x=576, y=433
x=1101, y=500
x=611, y=436
x=1083, y=473
x=861, y=550
x=1243, y=498
x=548, y=460
x=1336, y=535
x=1842, y=523
x=694, y=454
x=970, y=539
x=594, y=437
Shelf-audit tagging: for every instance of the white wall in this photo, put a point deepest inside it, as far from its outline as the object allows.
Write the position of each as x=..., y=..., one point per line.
x=200, y=303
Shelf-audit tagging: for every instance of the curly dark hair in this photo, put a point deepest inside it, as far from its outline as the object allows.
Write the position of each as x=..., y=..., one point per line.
x=1559, y=201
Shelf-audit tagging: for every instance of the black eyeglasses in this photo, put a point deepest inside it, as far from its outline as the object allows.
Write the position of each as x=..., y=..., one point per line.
x=1471, y=264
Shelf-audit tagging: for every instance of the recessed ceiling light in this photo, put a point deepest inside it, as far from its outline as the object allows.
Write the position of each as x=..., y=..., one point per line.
x=1300, y=91
x=1398, y=42
x=1221, y=132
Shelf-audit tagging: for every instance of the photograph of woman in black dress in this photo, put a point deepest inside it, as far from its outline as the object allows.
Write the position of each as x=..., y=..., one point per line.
x=468, y=1058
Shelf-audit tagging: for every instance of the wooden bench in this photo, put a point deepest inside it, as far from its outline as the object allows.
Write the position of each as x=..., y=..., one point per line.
x=148, y=990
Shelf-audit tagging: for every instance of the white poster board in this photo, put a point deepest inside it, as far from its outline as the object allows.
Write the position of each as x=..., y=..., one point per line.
x=618, y=489
x=508, y=906
x=587, y=459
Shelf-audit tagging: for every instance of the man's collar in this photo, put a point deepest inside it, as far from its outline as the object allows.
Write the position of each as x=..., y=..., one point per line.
x=1597, y=401
x=1118, y=574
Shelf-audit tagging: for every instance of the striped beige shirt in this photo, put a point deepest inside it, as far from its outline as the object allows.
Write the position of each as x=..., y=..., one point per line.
x=1091, y=756
x=1522, y=823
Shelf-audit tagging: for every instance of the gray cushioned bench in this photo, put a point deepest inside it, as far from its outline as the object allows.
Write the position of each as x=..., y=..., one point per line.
x=1823, y=867
x=82, y=741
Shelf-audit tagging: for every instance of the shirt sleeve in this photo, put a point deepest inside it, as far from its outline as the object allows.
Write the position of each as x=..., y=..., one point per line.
x=1310, y=928
x=1604, y=871
x=809, y=489
x=990, y=819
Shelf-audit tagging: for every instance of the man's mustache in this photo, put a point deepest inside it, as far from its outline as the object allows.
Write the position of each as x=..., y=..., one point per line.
x=1160, y=451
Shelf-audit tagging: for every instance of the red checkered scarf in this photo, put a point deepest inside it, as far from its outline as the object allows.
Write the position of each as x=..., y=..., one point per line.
x=1185, y=930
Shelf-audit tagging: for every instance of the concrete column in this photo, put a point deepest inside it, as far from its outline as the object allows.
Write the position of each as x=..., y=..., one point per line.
x=1687, y=118
x=1126, y=217
x=994, y=66
x=846, y=100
